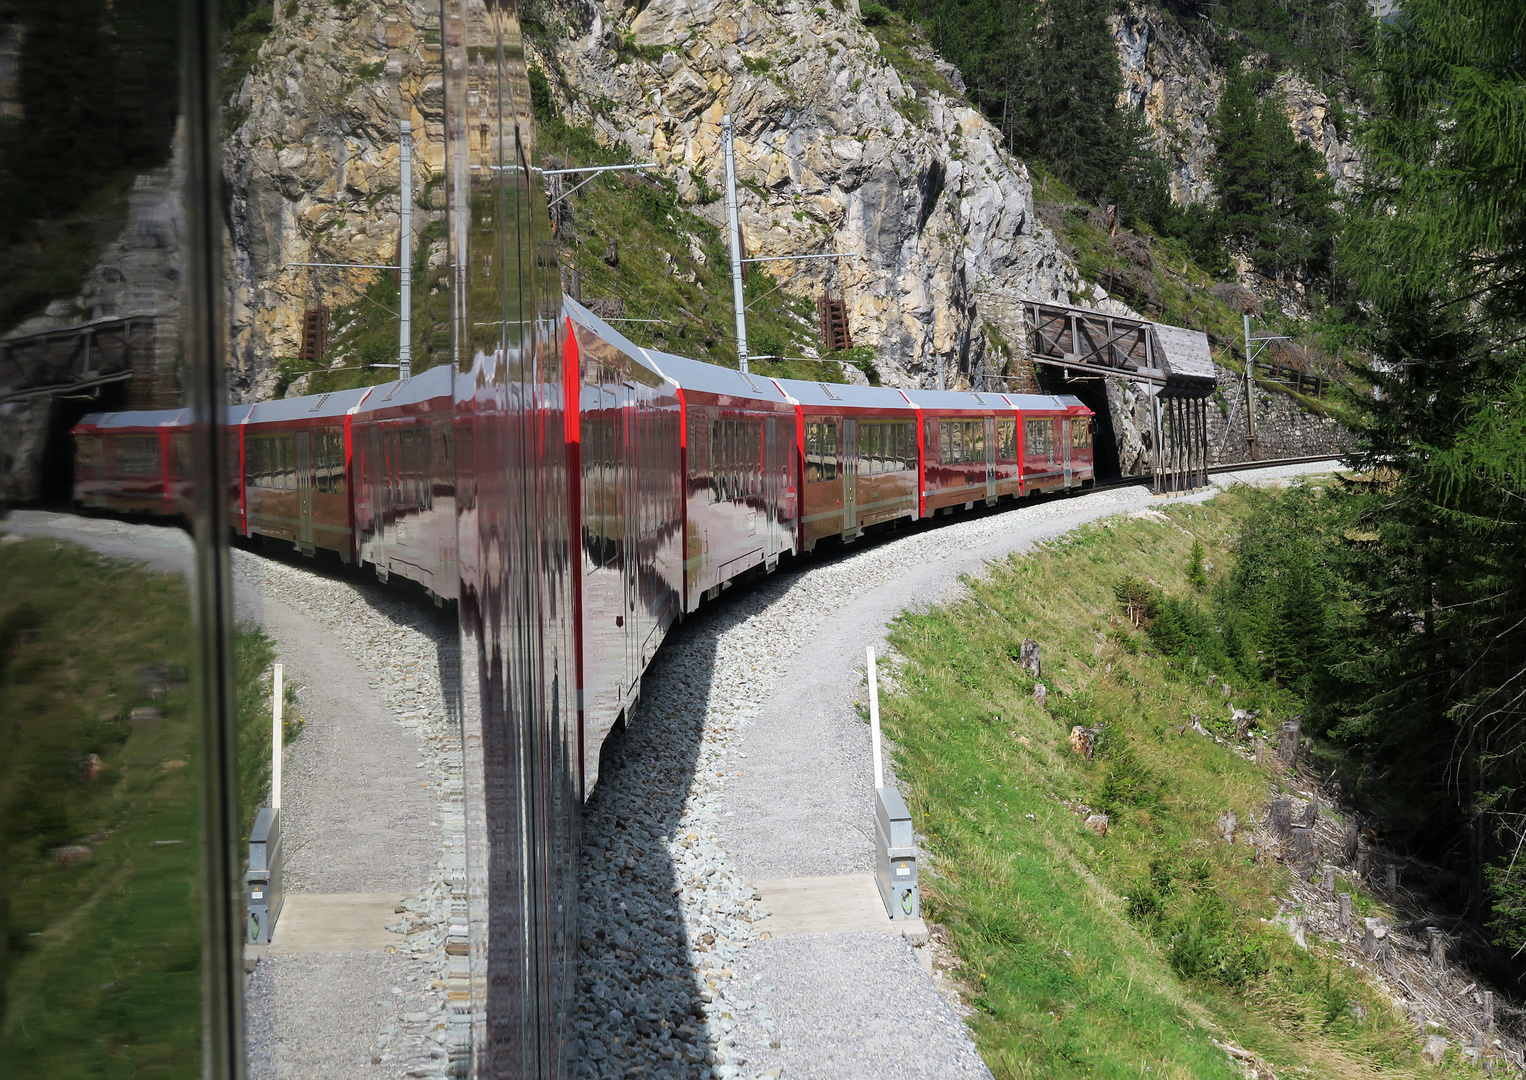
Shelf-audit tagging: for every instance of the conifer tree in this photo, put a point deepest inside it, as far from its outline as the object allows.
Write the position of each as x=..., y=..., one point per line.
x=1439, y=250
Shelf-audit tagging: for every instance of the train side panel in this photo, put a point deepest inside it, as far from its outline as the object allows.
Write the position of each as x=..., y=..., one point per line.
x=741, y=502
x=295, y=485
x=1055, y=442
x=401, y=448
x=631, y=521
x=858, y=461
x=969, y=448
x=125, y=462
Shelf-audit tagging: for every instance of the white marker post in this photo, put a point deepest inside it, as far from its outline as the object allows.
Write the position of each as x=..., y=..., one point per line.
x=874, y=721
x=277, y=693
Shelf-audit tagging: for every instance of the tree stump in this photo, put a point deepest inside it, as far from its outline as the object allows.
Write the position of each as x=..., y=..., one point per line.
x=1287, y=742
x=1031, y=655
x=1438, y=949
x=1375, y=939
x=1327, y=881
x=1281, y=816
x=1361, y=864
x=1391, y=878
x=1349, y=844
x=1228, y=823
x=1489, y=1011
x=1344, y=917
x=1260, y=752
x=1311, y=812
x=1041, y=695
x=1304, y=846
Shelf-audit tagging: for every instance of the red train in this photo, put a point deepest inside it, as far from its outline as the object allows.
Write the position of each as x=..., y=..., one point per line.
x=685, y=479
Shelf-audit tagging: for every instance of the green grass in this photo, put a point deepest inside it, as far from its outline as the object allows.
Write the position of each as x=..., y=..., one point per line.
x=100, y=972
x=1094, y=956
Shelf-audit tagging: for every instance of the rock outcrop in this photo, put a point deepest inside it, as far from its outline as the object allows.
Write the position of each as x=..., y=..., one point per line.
x=1172, y=80
x=312, y=166
x=836, y=150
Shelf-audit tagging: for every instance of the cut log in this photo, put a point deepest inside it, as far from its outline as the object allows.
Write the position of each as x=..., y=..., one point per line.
x=1304, y=846
x=1287, y=742
x=1438, y=949
x=1281, y=816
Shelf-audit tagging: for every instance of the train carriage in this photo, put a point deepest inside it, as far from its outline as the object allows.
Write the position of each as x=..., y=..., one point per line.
x=969, y=445
x=401, y=447
x=134, y=462
x=856, y=455
x=1056, y=442
x=294, y=463
x=627, y=457
x=740, y=501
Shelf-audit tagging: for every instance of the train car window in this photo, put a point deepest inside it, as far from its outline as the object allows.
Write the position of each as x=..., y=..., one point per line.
x=829, y=451
x=137, y=455
x=1006, y=440
x=1039, y=436
x=812, y=453
x=909, y=446
x=1080, y=434
x=87, y=453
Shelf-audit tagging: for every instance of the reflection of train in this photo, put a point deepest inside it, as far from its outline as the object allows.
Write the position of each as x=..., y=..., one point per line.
x=688, y=478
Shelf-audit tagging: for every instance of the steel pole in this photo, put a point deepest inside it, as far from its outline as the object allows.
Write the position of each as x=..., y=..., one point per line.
x=405, y=255
x=734, y=237
x=1250, y=395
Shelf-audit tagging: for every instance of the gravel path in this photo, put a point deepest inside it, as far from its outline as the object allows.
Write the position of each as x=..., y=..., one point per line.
x=371, y=804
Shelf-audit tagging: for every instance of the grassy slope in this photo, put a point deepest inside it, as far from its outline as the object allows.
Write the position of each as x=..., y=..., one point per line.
x=1119, y=955
x=100, y=961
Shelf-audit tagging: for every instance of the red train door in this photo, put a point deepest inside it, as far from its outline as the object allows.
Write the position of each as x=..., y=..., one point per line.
x=990, y=459
x=849, y=476
x=304, y=492
x=1065, y=435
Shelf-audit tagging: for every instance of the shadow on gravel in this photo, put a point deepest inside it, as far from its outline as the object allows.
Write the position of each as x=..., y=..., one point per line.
x=645, y=1006
x=638, y=992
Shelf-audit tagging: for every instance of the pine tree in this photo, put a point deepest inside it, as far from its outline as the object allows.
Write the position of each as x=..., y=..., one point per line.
x=1439, y=251
x=1273, y=197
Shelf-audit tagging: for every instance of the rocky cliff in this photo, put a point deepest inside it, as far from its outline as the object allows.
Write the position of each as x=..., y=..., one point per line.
x=313, y=166
x=1170, y=77
x=837, y=150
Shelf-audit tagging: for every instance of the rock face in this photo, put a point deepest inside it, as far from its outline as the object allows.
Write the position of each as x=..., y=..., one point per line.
x=836, y=151
x=1169, y=76
x=312, y=166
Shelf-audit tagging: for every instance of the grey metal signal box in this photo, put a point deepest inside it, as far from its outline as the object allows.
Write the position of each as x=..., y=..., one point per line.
x=263, y=878
x=895, y=855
